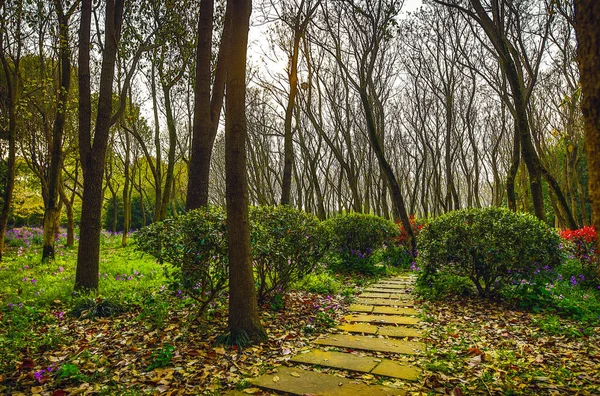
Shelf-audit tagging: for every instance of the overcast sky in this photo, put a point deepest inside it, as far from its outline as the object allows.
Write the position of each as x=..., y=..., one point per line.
x=258, y=45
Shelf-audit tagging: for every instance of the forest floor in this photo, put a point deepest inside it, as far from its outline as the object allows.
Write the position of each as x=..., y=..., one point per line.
x=474, y=347
x=158, y=345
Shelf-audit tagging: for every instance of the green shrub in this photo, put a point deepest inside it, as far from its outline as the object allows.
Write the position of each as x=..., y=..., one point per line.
x=353, y=239
x=196, y=246
x=492, y=247
x=286, y=246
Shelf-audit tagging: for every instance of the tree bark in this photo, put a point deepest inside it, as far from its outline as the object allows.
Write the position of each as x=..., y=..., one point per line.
x=587, y=15
x=244, y=323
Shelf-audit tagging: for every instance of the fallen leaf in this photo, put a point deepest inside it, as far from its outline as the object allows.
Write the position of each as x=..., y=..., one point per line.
x=295, y=374
x=276, y=379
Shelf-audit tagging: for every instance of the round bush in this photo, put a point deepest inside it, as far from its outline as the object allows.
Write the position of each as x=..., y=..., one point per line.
x=196, y=246
x=492, y=247
x=354, y=237
x=286, y=246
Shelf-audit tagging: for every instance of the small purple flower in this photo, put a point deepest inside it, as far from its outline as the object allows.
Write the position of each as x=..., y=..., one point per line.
x=60, y=269
x=38, y=375
x=573, y=281
x=33, y=281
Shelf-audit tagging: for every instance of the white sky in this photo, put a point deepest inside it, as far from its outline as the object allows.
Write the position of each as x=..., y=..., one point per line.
x=258, y=46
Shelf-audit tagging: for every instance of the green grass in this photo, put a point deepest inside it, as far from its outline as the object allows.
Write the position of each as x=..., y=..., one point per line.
x=36, y=296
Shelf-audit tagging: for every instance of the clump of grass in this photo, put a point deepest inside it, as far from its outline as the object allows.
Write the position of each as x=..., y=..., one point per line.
x=89, y=307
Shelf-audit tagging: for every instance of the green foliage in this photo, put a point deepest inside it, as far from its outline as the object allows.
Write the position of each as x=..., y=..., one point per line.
x=89, y=306
x=353, y=239
x=195, y=244
x=438, y=287
x=161, y=357
x=136, y=213
x=68, y=372
x=398, y=256
x=491, y=247
x=320, y=282
x=286, y=246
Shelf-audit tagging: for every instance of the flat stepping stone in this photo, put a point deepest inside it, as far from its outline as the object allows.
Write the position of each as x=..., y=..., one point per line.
x=381, y=310
x=374, y=295
x=359, y=328
x=360, y=308
x=391, y=368
x=340, y=360
x=362, y=364
x=372, y=344
x=382, y=290
x=400, y=332
x=383, y=319
x=393, y=286
x=388, y=302
x=388, y=331
x=295, y=381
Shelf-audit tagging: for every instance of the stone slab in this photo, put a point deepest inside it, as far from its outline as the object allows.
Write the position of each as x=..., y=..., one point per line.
x=400, y=332
x=391, y=368
x=383, y=319
x=388, y=331
x=392, y=286
x=381, y=310
x=388, y=302
x=360, y=308
x=399, y=295
x=344, y=361
x=372, y=344
x=374, y=295
x=359, y=328
x=295, y=381
x=378, y=289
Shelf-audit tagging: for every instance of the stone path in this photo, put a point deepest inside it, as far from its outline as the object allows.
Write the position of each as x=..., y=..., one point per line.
x=377, y=338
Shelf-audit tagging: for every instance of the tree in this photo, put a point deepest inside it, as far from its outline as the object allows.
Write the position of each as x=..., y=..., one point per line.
x=368, y=33
x=93, y=153
x=11, y=46
x=587, y=15
x=52, y=209
x=207, y=106
x=504, y=23
x=244, y=323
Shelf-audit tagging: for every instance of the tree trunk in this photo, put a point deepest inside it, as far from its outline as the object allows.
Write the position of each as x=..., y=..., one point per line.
x=587, y=15
x=288, y=147
x=93, y=155
x=244, y=321
x=52, y=211
x=207, y=110
x=398, y=200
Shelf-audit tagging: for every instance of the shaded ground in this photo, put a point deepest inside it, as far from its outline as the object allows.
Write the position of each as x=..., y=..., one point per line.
x=488, y=348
